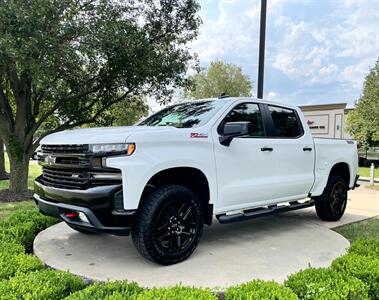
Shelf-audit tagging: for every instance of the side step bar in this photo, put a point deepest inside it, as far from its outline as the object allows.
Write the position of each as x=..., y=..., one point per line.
x=262, y=211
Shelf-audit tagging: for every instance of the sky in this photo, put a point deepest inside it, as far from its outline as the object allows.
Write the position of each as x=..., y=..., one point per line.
x=317, y=51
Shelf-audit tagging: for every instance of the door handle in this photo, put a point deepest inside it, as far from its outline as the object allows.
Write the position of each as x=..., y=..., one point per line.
x=267, y=149
x=307, y=149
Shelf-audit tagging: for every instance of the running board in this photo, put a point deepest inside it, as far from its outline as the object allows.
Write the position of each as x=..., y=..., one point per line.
x=262, y=211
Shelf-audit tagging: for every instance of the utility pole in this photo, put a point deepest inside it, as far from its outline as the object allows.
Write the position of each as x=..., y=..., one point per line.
x=262, y=39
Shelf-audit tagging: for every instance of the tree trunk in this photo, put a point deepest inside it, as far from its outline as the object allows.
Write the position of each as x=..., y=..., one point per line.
x=3, y=173
x=19, y=167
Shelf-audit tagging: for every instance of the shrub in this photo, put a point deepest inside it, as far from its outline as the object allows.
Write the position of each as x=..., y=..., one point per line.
x=361, y=267
x=177, y=293
x=365, y=247
x=11, y=247
x=22, y=227
x=10, y=264
x=45, y=284
x=326, y=284
x=259, y=289
x=111, y=290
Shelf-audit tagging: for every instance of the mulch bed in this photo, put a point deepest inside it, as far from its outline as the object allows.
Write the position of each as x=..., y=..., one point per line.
x=7, y=196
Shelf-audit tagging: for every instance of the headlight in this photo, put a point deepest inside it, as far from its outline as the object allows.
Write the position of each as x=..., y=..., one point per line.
x=128, y=148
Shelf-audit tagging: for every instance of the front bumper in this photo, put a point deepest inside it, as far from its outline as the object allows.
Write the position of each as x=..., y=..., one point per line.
x=97, y=205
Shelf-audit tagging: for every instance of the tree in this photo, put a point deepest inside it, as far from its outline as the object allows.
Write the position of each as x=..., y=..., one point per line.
x=363, y=121
x=3, y=173
x=63, y=63
x=125, y=113
x=219, y=78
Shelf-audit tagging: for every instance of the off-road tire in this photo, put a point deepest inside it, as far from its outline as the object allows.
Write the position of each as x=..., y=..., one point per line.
x=326, y=206
x=155, y=209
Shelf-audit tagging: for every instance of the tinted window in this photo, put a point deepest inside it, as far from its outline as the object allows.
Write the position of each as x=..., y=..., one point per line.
x=185, y=115
x=247, y=112
x=286, y=123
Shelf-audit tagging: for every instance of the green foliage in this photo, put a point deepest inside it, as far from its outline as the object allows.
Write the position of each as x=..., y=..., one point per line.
x=177, y=293
x=361, y=267
x=125, y=113
x=363, y=122
x=63, y=63
x=259, y=290
x=109, y=291
x=365, y=247
x=219, y=78
x=22, y=227
x=326, y=284
x=10, y=247
x=11, y=264
x=45, y=284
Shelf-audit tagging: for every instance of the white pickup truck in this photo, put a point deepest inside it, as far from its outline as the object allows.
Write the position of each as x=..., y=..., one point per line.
x=163, y=179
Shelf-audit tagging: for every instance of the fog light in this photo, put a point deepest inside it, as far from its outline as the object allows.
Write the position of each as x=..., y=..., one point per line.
x=83, y=217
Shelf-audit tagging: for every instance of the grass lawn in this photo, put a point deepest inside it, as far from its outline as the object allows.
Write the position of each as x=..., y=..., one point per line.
x=8, y=208
x=365, y=229
x=34, y=171
x=365, y=172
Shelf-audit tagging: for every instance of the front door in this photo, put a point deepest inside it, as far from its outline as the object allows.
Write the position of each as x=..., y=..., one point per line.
x=243, y=169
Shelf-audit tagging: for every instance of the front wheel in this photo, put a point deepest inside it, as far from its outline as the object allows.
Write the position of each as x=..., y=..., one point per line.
x=331, y=205
x=169, y=225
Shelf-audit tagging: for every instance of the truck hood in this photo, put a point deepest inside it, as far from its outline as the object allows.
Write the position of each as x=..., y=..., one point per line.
x=101, y=135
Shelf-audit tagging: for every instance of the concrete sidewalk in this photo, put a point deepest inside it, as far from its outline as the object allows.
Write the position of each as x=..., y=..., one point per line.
x=267, y=248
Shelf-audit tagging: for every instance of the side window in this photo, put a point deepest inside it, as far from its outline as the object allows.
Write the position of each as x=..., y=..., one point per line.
x=285, y=121
x=247, y=112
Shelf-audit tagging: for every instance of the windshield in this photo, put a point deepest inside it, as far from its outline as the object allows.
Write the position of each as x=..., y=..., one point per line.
x=185, y=115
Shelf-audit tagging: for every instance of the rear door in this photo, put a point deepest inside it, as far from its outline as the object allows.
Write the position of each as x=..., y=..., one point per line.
x=292, y=155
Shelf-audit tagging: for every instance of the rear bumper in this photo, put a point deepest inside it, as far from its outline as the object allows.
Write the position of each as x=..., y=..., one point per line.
x=97, y=204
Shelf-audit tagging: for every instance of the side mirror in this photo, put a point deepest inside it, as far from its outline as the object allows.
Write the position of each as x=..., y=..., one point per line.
x=232, y=130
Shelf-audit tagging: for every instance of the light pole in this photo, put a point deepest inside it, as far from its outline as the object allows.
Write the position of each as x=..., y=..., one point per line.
x=262, y=39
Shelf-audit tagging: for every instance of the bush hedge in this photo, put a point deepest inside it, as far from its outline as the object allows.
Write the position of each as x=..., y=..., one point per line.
x=259, y=290
x=365, y=247
x=177, y=293
x=11, y=264
x=22, y=227
x=112, y=290
x=361, y=267
x=353, y=276
x=45, y=284
x=326, y=284
x=11, y=247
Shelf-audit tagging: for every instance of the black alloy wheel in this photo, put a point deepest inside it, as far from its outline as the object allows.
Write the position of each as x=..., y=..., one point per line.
x=338, y=198
x=169, y=224
x=331, y=204
x=175, y=226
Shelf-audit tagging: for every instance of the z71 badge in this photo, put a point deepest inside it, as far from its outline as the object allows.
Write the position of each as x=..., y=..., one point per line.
x=199, y=135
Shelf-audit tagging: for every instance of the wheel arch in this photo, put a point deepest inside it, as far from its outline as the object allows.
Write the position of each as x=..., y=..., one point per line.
x=190, y=177
x=342, y=169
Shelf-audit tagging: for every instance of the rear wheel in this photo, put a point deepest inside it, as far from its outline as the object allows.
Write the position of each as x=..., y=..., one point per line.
x=169, y=225
x=331, y=205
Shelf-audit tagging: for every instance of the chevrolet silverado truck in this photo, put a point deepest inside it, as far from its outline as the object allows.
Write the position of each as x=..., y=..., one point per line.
x=163, y=179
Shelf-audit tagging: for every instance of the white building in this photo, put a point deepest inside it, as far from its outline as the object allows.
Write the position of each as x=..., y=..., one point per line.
x=327, y=120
